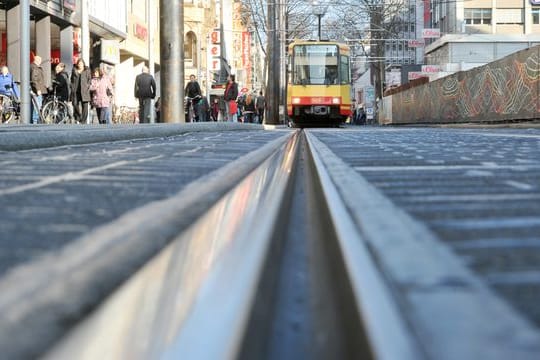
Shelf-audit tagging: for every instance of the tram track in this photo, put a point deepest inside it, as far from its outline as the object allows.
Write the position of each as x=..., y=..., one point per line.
x=291, y=263
x=274, y=270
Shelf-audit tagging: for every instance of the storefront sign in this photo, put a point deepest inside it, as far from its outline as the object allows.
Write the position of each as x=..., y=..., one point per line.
x=416, y=43
x=431, y=68
x=141, y=32
x=214, y=37
x=110, y=51
x=413, y=75
x=246, y=54
x=431, y=33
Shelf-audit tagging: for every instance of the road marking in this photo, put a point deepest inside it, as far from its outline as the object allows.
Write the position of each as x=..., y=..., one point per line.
x=471, y=197
x=483, y=166
x=519, y=185
x=514, y=278
x=71, y=176
x=502, y=243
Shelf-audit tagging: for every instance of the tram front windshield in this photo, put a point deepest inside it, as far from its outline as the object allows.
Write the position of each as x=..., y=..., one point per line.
x=315, y=65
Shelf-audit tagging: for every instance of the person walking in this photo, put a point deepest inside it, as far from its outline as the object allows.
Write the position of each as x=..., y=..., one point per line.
x=231, y=93
x=7, y=85
x=101, y=87
x=145, y=91
x=260, y=106
x=214, y=111
x=249, y=109
x=38, y=86
x=203, y=109
x=80, y=91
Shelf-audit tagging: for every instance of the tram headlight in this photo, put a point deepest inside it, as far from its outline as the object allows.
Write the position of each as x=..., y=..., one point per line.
x=336, y=101
x=296, y=100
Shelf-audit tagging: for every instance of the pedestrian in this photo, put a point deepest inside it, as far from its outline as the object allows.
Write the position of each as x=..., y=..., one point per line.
x=61, y=82
x=249, y=109
x=101, y=87
x=231, y=93
x=260, y=105
x=193, y=94
x=38, y=86
x=145, y=91
x=214, y=112
x=203, y=109
x=8, y=87
x=157, y=107
x=80, y=91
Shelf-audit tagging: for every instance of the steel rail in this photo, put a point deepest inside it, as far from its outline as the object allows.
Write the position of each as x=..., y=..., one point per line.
x=388, y=334
x=43, y=298
x=192, y=300
x=450, y=312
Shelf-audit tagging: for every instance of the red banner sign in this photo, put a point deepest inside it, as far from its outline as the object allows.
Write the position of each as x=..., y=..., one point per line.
x=246, y=54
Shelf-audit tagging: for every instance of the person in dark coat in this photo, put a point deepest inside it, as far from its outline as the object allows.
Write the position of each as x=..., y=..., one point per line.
x=39, y=88
x=231, y=93
x=61, y=82
x=145, y=91
x=81, y=77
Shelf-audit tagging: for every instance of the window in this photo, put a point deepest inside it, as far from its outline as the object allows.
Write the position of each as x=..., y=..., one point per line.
x=477, y=16
x=190, y=48
x=345, y=75
x=314, y=64
x=536, y=16
x=509, y=16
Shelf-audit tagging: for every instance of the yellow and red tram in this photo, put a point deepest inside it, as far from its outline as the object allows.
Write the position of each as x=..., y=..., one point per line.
x=319, y=83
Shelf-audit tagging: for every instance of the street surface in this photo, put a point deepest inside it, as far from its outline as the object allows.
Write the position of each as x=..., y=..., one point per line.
x=475, y=190
x=478, y=190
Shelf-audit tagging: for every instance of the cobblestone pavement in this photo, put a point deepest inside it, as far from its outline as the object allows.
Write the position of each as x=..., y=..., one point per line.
x=51, y=196
x=478, y=190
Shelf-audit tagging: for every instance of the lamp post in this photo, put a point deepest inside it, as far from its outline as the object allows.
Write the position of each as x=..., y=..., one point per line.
x=319, y=10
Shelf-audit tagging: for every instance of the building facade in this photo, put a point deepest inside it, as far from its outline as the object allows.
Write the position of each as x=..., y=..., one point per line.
x=476, y=32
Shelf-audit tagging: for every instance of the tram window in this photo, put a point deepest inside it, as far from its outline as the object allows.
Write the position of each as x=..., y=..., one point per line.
x=331, y=76
x=345, y=75
x=315, y=64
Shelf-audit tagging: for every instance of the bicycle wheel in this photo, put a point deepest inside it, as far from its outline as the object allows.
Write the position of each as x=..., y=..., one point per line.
x=7, y=111
x=55, y=113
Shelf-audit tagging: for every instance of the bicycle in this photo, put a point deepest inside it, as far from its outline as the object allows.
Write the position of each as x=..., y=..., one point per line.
x=125, y=115
x=10, y=106
x=189, y=108
x=54, y=110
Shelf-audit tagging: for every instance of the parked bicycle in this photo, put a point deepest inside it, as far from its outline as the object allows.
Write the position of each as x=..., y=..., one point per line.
x=10, y=106
x=125, y=115
x=54, y=110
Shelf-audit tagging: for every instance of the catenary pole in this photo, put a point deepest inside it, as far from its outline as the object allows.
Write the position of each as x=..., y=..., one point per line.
x=24, y=22
x=171, y=16
x=272, y=91
x=150, y=24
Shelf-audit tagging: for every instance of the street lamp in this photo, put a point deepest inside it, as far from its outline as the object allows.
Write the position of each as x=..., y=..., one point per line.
x=319, y=10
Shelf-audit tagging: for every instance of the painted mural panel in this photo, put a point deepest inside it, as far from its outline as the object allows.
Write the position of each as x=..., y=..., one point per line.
x=507, y=89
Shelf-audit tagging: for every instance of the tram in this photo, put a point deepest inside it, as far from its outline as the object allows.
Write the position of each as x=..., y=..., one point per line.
x=319, y=83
